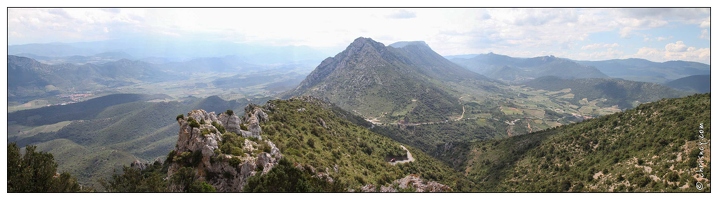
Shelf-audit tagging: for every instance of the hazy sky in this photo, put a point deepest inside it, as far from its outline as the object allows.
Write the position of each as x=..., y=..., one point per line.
x=584, y=34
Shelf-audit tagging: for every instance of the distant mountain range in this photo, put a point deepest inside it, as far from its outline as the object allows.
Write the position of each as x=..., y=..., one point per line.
x=514, y=70
x=647, y=71
x=28, y=79
x=695, y=83
x=404, y=81
x=175, y=50
x=625, y=94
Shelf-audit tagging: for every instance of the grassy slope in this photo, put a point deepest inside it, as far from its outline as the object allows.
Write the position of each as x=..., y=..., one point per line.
x=360, y=155
x=649, y=148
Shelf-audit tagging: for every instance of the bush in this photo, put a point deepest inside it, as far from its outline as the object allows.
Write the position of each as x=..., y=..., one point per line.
x=229, y=112
x=180, y=116
x=266, y=148
x=205, y=132
x=34, y=171
x=243, y=127
x=310, y=142
x=201, y=187
x=219, y=127
x=193, y=123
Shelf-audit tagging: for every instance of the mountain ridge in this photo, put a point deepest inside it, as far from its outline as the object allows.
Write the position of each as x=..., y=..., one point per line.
x=396, y=84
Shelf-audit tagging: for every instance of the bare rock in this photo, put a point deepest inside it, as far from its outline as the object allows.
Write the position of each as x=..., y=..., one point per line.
x=230, y=122
x=387, y=189
x=205, y=138
x=414, y=181
x=368, y=188
x=137, y=164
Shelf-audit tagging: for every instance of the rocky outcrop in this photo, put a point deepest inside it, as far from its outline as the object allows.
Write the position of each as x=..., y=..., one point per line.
x=231, y=122
x=198, y=147
x=411, y=181
x=137, y=164
x=414, y=181
x=253, y=115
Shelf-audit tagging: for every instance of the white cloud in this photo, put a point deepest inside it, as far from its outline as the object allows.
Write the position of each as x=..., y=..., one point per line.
x=705, y=34
x=599, y=46
x=674, y=51
x=402, y=14
x=448, y=31
x=676, y=47
x=706, y=23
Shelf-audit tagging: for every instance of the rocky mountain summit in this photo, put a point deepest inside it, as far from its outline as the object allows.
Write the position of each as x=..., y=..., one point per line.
x=404, y=82
x=200, y=151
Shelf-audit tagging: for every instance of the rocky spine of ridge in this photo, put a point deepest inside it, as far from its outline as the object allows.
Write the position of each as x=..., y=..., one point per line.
x=200, y=138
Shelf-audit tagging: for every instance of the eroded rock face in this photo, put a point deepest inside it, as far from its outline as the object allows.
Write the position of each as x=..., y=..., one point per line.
x=253, y=115
x=413, y=180
x=410, y=181
x=198, y=148
x=230, y=123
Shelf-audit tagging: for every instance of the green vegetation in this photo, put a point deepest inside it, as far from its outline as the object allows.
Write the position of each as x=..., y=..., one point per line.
x=391, y=84
x=232, y=144
x=286, y=178
x=76, y=111
x=102, y=142
x=696, y=83
x=616, y=91
x=360, y=156
x=650, y=148
x=134, y=180
x=36, y=172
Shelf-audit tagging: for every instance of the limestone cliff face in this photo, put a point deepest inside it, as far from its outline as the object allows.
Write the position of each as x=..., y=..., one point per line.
x=198, y=147
x=230, y=122
x=253, y=115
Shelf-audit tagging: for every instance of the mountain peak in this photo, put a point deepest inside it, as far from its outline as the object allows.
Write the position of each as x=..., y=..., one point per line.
x=363, y=41
x=402, y=44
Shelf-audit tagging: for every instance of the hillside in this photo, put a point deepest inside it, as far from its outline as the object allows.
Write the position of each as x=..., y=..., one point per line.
x=695, y=83
x=625, y=94
x=29, y=79
x=636, y=69
x=513, y=70
x=390, y=84
x=92, y=138
x=651, y=148
x=298, y=145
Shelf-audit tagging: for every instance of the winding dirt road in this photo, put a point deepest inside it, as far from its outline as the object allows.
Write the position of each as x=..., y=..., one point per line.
x=408, y=155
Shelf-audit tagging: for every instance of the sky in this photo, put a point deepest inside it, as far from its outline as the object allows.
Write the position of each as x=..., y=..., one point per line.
x=656, y=34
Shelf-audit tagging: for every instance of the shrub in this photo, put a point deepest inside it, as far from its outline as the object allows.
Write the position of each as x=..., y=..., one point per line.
x=234, y=162
x=193, y=123
x=266, y=148
x=219, y=127
x=180, y=116
x=201, y=187
x=205, y=132
x=229, y=112
x=243, y=127
x=310, y=142
x=202, y=121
